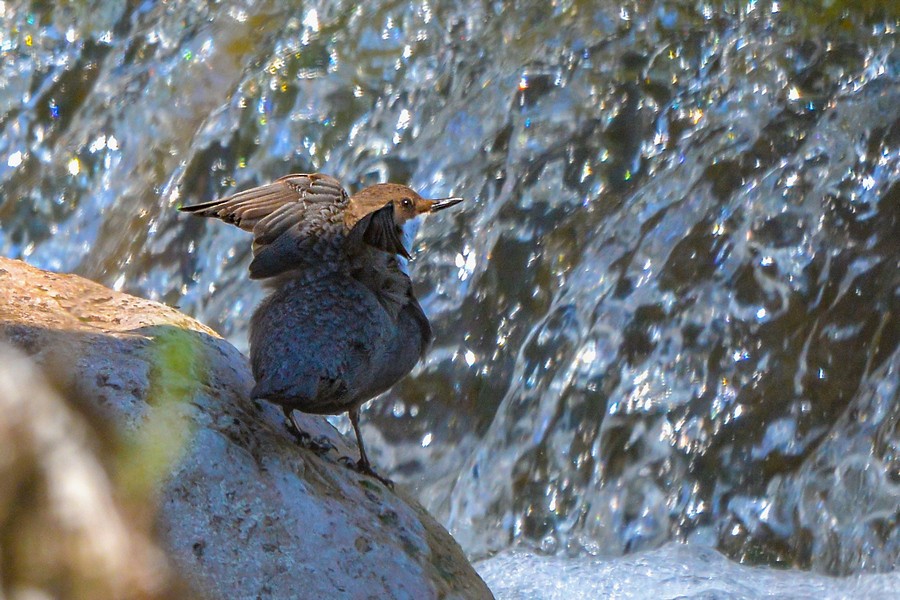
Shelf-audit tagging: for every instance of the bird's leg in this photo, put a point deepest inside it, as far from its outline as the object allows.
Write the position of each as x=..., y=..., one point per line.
x=364, y=466
x=320, y=445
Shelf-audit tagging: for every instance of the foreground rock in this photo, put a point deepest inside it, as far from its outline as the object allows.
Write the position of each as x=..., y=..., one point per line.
x=55, y=497
x=243, y=511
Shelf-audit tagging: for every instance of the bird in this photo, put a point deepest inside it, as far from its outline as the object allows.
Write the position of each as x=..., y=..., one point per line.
x=341, y=323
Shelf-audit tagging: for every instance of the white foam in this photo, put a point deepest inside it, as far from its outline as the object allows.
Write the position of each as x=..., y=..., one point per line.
x=673, y=571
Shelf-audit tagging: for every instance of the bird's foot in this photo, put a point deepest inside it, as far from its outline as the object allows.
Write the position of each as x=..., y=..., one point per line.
x=366, y=469
x=320, y=444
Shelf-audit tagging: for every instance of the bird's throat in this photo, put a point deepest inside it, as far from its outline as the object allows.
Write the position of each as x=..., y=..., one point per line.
x=410, y=228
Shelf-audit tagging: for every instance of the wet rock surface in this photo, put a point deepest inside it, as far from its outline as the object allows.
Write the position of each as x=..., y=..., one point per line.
x=243, y=510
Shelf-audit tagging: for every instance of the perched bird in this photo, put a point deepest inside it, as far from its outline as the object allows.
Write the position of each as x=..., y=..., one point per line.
x=341, y=324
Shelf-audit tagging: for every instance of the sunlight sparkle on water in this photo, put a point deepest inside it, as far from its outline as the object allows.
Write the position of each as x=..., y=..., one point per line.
x=470, y=357
x=588, y=354
x=311, y=20
x=98, y=143
x=465, y=263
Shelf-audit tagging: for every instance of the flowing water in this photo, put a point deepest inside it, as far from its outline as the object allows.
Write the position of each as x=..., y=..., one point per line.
x=668, y=309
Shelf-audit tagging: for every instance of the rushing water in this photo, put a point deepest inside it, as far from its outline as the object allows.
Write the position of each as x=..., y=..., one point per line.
x=672, y=571
x=668, y=309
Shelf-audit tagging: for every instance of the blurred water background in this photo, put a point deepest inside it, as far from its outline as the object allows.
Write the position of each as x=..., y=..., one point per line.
x=668, y=309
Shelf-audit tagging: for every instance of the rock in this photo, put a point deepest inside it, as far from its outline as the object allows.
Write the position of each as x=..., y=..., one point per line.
x=64, y=532
x=242, y=509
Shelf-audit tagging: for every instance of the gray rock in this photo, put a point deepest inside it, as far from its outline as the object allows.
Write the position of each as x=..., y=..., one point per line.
x=64, y=531
x=243, y=510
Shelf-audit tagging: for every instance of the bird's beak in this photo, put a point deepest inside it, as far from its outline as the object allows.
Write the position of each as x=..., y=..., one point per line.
x=442, y=203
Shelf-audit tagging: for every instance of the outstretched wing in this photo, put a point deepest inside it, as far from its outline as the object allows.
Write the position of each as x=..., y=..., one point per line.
x=296, y=221
x=248, y=208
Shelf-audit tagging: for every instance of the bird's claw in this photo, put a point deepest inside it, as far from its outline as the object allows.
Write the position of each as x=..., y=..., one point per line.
x=365, y=469
x=319, y=444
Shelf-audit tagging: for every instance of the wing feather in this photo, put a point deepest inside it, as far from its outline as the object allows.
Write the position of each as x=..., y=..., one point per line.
x=247, y=208
x=296, y=221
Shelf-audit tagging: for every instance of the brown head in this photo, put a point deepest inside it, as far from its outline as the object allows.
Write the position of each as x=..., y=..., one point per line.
x=381, y=226
x=407, y=203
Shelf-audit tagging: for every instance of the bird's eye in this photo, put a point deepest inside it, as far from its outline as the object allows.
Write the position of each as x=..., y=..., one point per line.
x=406, y=202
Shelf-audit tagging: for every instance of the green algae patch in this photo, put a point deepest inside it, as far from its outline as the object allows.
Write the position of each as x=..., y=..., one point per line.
x=177, y=364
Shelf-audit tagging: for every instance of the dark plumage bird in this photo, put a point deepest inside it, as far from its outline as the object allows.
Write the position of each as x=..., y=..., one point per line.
x=342, y=324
